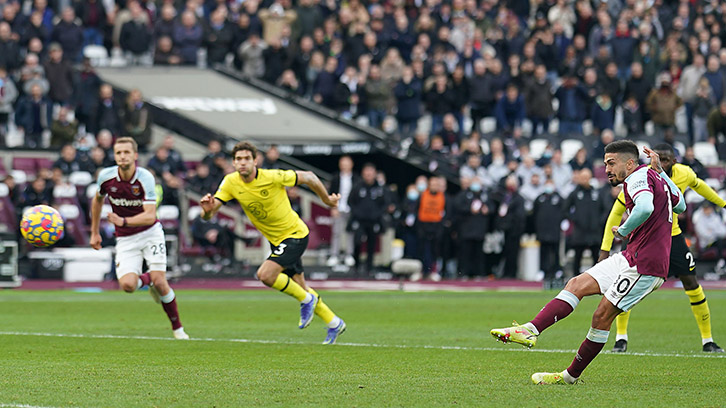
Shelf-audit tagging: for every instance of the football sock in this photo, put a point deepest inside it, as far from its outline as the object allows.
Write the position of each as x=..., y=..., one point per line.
x=589, y=349
x=557, y=309
x=284, y=284
x=621, y=323
x=168, y=302
x=701, y=312
x=323, y=311
x=144, y=280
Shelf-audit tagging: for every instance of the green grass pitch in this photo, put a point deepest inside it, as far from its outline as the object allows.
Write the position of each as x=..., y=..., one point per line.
x=68, y=349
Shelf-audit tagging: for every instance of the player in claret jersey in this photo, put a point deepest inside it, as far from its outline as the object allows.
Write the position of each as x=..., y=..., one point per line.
x=139, y=235
x=624, y=278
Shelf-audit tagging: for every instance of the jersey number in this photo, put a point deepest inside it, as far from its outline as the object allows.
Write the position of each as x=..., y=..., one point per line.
x=158, y=249
x=280, y=249
x=670, y=203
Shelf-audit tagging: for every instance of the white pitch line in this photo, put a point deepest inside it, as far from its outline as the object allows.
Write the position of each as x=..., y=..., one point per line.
x=20, y=406
x=372, y=345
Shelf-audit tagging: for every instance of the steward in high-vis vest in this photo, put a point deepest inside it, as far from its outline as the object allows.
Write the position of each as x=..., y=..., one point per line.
x=430, y=225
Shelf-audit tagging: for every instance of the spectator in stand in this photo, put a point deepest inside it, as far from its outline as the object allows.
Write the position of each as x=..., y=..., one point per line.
x=108, y=113
x=367, y=204
x=60, y=75
x=290, y=83
x=9, y=48
x=689, y=159
x=215, y=160
x=8, y=95
x=69, y=34
x=510, y=215
x=137, y=120
x=202, y=180
x=716, y=123
x=188, y=35
x=251, y=55
x=603, y=113
x=715, y=78
x=378, y=94
x=408, y=92
x=324, y=88
x=133, y=10
x=68, y=162
x=606, y=137
x=86, y=93
x=165, y=53
x=581, y=161
x=584, y=209
x=711, y=232
x=688, y=87
x=210, y=234
x=482, y=94
x=662, y=104
x=167, y=170
x=135, y=38
x=530, y=190
x=34, y=28
x=701, y=105
x=439, y=101
x=33, y=116
x=274, y=19
x=12, y=15
x=164, y=26
x=64, y=128
x=275, y=57
x=104, y=140
x=538, y=99
x=472, y=206
x=36, y=193
x=92, y=14
x=342, y=183
x=571, y=111
x=218, y=37
x=510, y=111
x=547, y=215
x=309, y=16
x=271, y=158
x=98, y=160
x=632, y=116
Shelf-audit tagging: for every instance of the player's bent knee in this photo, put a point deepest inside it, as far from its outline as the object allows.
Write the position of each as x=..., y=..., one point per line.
x=582, y=285
x=689, y=282
x=127, y=287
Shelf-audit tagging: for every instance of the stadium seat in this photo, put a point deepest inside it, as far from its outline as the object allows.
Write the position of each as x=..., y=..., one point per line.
x=641, y=144
x=705, y=153
x=80, y=178
x=97, y=54
x=569, y=148
x=680, y=148
x=193, y=212
x=717, y=172
x=484, y=144
x=43, y=163
x=20, y=176
x=8, y=221
x=169, y=217
x=91, y=190
x=3, y=171
x=26, y=164
x=693, y=197
x=537, y=147
x=74, y=224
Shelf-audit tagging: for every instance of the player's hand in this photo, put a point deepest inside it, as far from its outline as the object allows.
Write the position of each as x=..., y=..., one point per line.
x=115, y=219
x=603, y=255
x=335, y=213
x=616, y=233
x=207, y=203
x=654, y=159
x=95, y=241
x=332, y=200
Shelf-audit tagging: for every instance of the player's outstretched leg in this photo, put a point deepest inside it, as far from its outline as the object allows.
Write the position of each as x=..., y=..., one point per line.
x=557, y=309
x=270, y=273
x=702, y=313
x=621, y=341
x=167, y=297
x=336, y=325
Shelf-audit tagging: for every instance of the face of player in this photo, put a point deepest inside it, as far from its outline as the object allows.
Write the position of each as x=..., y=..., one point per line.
x=616, y=167
x=667, y=161
x=244, y=163
x=125, y=156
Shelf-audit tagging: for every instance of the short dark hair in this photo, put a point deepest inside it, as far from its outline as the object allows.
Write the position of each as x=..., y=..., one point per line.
x=664, y=147
x=244, y=145
x=623, y=146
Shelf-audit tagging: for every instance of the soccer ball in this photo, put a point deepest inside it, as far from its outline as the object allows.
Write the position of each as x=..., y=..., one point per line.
x=42, y=226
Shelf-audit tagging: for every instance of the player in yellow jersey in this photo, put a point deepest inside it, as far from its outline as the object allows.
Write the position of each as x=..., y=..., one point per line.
x=262, y=195
x=682, y=263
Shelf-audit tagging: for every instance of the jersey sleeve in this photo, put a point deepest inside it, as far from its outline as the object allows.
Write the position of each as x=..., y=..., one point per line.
x=614, y=218
x=223, y=193
x=637, y=184
x=103, y=176
x=703, y=189
x=149, y=184
x=287, y=178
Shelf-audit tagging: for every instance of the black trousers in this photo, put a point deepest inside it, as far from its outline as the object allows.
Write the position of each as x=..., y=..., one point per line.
x=365, y=232
x=579, y=249
x=549, y=258
x=471, y=257
x=511, y=254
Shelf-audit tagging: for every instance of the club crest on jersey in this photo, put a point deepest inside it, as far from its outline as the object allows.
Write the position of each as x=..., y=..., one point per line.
x=136, y=190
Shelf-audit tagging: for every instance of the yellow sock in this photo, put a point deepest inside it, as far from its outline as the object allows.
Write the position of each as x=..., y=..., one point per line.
x=284, y=284
x=621, y=322
x=699, y=306
x=322, y=310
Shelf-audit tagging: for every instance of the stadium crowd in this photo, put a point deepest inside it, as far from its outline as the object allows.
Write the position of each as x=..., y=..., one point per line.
x=534, y=68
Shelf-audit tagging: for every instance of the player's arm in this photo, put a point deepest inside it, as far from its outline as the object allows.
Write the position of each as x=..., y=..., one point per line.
x=681, y=204
x=309, y=179
x=641, y=211
x=614, y=218
x=210, y=205
x=146, y=217
x=707, y=192
x=96, y=208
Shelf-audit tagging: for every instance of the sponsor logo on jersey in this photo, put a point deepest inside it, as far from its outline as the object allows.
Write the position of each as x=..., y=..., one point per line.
x=123, y=202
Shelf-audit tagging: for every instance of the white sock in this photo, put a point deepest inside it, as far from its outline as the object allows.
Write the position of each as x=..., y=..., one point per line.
x=334, y=323
x=168, y=297
x=621, y=337
x=568, y=378
x=707, y=340
x=139, y=284
x=308, y=298
x=531, y=328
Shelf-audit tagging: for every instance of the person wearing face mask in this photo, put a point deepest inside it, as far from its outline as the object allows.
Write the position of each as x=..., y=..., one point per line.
x=547, y=214
x=406, y=223
x=472, y=208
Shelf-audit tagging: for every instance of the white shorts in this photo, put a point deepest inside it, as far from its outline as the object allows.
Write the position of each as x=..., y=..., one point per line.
x=132, y=250
x=621, y=283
